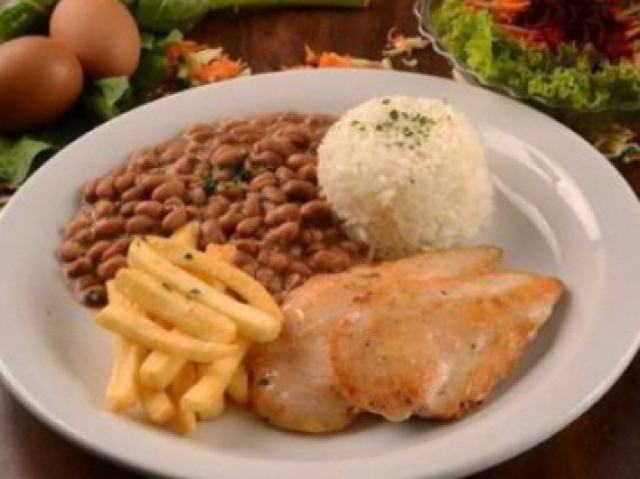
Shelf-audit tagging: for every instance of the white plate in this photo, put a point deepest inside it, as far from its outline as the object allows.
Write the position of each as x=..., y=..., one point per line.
x=561, y=210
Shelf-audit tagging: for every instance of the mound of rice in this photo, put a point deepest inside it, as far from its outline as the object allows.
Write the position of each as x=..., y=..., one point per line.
x=406, y=174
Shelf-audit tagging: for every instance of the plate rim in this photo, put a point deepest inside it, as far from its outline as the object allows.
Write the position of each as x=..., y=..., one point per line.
x=625, y=196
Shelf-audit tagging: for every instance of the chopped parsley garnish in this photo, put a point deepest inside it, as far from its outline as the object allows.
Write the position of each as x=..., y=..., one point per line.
x=209, y=184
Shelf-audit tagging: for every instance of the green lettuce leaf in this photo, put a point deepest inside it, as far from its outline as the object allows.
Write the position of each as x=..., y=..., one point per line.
x=569, y=77
x=165, y=15
x=106, y=98
x=22, y=17
x=16, y=157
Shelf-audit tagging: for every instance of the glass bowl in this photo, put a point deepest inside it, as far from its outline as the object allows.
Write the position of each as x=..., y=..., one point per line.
x=423, y=10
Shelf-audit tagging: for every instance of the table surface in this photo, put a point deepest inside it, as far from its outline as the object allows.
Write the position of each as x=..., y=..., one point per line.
x=603, y=443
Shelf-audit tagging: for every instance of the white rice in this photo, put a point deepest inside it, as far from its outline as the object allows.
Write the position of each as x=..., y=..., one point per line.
x=406, y=174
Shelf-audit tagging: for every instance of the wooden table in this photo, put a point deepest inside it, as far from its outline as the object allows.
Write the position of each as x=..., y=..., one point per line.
x=604, y=443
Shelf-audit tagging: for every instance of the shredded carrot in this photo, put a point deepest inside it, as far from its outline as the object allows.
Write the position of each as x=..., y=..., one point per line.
x=221, y=69
x=181, y=49
x=334, y=60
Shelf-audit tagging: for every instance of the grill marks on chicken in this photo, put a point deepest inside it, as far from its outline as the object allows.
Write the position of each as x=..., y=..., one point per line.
x=430, y=335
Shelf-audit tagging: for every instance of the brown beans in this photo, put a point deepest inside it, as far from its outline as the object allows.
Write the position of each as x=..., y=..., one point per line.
x=172, y=203
x=128, y=209
x=109, y=227
x=193, y=212
x=89, y=191
x=230, y=220
x=70, y=251
x=282, y=214
x=282, y=234
x=174, y=151
x=175, y=220
x=312, y=235
x=300, y=190
x=80, y=222
x=316, y=210
x=299, y=160
x=106, y=189
x=250, y=269
x=85, y=282
x=183, y=166
x=269, y=159
x=278, y=262
x=275, y=284
x=151, y=182
x=103, y=208
x=280, y=146
x=198, y=132
x=117, y=248
x=263, y=180
x=293, y=280
x=78, y=268
x=98, y=249
x=284, y=174
x=152, y=209
x=168, y=189
x=109, y=268
x=240, y=258
x=145, y=161
x=133, y=194
x=197, y=196
x=248, y=227
x=308, y=173
x=273, y=194
x=264, y=275
x=212, y=232
x=93, y=296
x=139, y=224
x=300, y=268
x=252, y=205
x=124, y=182
x=84, y=236
x=228, y=156
x=330, y=261
x=247, y=246
x=217, y=208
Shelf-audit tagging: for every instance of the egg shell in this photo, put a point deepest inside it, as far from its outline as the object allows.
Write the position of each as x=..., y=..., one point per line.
x=102, y=33
x=40, y=80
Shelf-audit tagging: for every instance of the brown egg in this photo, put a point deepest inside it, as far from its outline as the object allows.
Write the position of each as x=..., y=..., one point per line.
x=102, y=33
x=39, y=81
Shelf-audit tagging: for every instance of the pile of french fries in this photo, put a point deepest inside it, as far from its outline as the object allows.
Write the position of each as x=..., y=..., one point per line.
x=184, y=321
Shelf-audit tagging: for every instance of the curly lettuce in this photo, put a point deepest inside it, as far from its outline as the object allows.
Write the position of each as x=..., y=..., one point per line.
x=568, y=78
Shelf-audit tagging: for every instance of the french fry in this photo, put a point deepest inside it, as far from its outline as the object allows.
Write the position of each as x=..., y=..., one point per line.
x=188, y=234
x=235, y=279
x=222, y=252
x=239, y=387
x=206, y=397
x=159, y=370
x=184, y=422
x=157, y=405
x=140, y=330
x=171, y=307
x=122, y=391
x=252, y=322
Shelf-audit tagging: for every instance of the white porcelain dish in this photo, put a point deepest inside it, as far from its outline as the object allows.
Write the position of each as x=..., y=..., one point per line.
x=561, y=210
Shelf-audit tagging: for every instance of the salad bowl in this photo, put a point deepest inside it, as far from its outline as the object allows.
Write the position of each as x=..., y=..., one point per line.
x=424, y=11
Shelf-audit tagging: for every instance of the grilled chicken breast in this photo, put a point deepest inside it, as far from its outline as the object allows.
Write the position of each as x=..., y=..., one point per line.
x=429, y=335
x=437, y=349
